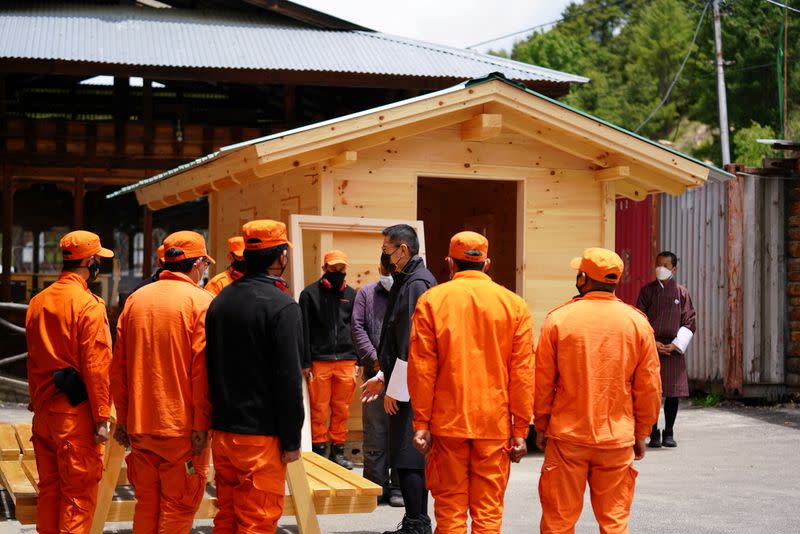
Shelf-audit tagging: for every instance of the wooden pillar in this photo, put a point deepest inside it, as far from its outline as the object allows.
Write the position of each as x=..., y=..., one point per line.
x=8, y=228
x=36, y=259
x=77, y=201
x=733, y=374
x=147, y=259
x=147, y=115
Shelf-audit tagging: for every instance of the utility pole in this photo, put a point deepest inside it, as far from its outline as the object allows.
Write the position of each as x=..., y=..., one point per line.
x=786, y=71
x=723, y=101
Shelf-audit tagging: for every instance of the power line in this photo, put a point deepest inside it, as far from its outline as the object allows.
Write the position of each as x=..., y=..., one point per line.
x=680, y=70
x=784, y=6
x=544, y=25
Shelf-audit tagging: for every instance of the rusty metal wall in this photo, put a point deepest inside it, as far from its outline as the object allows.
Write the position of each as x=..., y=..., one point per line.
x=634, y=231
x=693, y=227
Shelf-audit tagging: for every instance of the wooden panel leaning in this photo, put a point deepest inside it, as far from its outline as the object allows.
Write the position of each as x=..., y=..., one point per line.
x=316, y=486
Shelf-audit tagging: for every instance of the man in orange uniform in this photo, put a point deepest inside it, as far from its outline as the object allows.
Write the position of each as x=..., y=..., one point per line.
x=160, y=388
x=255, y=342
x=471, y=342
x=329, y=358
x=69, y=355
x=598, y=393
x=234, y=271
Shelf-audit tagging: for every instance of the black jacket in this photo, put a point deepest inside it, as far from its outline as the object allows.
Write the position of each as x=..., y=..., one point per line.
x=408, y=286
x=326, y=323
x=253, y=345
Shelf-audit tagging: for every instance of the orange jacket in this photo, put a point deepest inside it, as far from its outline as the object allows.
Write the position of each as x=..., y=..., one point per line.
x=159, y=378
x=67, y=326
x=471, y=363
x=216, y=284
x=597, y=373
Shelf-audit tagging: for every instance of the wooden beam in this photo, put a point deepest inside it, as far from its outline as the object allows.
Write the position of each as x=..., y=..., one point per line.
x=77, y=200
x=733, y=372
x=612, y=173
x=7, y=228
x=345, y=159
x=631, y=190
x=608, y=206
x=302, y=500
x=483, y=127
x=147, y=260
x=147, y=116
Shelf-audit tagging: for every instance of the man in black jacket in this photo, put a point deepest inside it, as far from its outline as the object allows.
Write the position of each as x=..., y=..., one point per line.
x=411, y=279
x=329, y=358
x=253, y=351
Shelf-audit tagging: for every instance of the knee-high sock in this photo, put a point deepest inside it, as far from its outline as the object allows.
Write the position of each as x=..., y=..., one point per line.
x=415, y=494
x=670, y=412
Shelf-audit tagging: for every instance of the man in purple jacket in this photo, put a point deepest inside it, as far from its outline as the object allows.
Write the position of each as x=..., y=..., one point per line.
x=369, y=308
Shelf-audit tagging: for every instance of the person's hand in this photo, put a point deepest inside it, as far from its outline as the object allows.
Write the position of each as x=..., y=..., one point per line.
x=359, y=371
x=199, y=441
x=121, y=435
x=639, y=448
x=518, y=449
x=389, y=405
x=423, y=441
x=372, y=389
x=288, y=457
x=307, y=374
x=670, y=348
x=541, y=441
x=101, y=432
x=376, y=366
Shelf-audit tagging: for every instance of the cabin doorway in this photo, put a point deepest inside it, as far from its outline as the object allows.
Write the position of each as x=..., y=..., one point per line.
x=489, y=207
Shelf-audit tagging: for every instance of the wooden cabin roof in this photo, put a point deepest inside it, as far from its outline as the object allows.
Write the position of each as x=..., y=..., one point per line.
x=637, y=165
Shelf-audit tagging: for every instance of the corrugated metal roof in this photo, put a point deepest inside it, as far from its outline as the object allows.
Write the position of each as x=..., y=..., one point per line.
x=233, y=40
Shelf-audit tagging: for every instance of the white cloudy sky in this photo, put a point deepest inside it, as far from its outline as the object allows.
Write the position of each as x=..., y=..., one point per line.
x=458, y=23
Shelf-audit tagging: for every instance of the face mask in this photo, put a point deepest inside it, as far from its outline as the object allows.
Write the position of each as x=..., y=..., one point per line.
x=662, y=273
x=94, y=270
x=580, y=286
x=239, y=265
x=334, y=279
x=386, y=261
x=386, y=282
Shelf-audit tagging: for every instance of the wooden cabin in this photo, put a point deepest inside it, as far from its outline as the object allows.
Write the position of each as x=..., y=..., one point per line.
x=538, y=178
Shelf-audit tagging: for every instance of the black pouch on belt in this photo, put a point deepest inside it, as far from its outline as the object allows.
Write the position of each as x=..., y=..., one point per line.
x=69, y=382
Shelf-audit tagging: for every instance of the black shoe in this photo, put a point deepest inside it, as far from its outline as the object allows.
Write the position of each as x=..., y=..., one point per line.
x=411, y=526
x=655, y=440
x=319, y=448
x=669, y=441
x=337, y=456
x=396, y=499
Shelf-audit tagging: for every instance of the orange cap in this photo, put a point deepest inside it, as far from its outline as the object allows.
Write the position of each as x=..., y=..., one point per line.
x=236, y=246
x=81, y=244
x=600, y=264
x=160, y=252
x=469, y=246
x=191, y=244
x=264, y=233
x=335, y=257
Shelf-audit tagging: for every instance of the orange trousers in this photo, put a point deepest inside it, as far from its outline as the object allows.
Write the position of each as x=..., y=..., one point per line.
x=168, y=489
x=468, y=475
x=70, y=466
x=250, y=480
x=565, y=471
x=331, y=391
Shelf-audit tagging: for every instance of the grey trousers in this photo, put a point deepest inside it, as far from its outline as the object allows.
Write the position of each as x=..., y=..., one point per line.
x=376, y=445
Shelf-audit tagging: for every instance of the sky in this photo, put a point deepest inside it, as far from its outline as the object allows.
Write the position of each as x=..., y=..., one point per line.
x=457, y=23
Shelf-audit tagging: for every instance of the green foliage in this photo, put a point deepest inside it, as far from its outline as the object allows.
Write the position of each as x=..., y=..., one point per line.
x=632, y=49
x=746, y=150
x=708, y=401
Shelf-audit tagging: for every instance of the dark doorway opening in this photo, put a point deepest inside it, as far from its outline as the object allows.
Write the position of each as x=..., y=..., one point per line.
x=489, y=207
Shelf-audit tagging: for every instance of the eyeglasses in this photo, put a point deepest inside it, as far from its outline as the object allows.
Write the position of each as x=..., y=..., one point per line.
x=384, y=251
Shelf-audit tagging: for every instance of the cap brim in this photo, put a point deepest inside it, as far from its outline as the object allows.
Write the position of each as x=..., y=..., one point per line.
x=211, y=260
x=337, y=262
x=105, y=253
x=575, y=263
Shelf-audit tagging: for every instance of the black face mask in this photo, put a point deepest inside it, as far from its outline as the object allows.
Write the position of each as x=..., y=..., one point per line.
x=94, y=270
x=239, y=265
x=386, y=262
x=334, y=279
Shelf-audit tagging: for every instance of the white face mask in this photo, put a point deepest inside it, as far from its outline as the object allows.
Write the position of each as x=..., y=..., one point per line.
x=662, y=273
x=386, y=282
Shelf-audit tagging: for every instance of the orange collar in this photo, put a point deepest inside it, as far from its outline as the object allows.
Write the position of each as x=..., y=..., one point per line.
x=599, y=295
x=171, y=275
x=73, y=278
x=471, y=275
